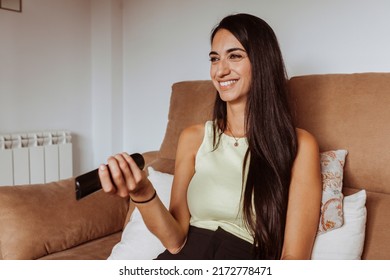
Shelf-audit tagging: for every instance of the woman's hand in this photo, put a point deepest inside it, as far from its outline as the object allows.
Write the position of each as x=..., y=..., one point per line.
x=126, y=178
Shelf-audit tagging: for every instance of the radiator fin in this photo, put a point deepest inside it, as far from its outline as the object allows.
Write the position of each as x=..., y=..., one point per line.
x=32, y=158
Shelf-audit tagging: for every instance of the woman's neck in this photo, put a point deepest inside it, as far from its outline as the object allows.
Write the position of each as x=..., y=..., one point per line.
x=236, y=121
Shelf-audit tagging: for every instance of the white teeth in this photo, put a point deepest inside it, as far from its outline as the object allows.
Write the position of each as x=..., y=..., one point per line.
x=227, y=83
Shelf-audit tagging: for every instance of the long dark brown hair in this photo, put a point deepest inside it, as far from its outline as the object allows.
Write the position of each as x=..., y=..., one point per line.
x=270, y=134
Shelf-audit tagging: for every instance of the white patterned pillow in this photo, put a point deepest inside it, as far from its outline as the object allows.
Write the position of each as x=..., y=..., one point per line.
x=332, y=170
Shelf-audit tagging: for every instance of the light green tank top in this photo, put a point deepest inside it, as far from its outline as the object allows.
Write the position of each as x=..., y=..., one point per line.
x=214, y=193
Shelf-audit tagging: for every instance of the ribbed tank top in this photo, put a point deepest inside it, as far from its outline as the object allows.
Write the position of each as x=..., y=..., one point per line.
x=214, y=193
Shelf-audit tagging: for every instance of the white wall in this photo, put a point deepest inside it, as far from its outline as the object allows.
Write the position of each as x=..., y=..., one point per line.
x=104, y=71
x=168, y=40
x=45, y=68
x=107, y=82
x=61, y=68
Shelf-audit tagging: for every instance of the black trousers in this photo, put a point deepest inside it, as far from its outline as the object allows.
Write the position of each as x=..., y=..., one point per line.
x=204, y=244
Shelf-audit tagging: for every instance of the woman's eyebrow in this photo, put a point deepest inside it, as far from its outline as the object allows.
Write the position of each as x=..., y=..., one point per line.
x=227, y=51
x=235, y=49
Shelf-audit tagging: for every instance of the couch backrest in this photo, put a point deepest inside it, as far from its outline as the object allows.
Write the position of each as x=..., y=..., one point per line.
x=350, y=112
x=191, y=103
x=343, y=111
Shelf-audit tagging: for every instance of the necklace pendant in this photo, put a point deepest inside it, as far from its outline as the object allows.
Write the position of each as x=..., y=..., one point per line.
x=236, y=144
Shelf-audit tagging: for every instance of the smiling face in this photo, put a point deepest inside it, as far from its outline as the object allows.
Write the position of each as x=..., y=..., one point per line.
x=230, y=68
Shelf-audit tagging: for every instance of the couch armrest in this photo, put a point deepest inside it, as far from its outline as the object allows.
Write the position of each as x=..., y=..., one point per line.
x=36, y=220
x=163, y=165
x=150, y=156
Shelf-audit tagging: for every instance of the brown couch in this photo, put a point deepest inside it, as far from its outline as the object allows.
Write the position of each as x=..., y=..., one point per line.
x=343, y=111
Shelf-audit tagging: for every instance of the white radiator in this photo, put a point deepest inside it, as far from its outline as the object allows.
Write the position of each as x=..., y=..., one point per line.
x=32, y=158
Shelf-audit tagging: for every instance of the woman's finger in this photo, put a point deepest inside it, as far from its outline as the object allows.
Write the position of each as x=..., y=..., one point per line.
x=117, y=176
x=104, y=176
x=127, y=172
x=137, y=173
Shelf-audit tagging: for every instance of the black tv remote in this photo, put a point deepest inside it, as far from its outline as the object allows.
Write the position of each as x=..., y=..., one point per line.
x=90, y=182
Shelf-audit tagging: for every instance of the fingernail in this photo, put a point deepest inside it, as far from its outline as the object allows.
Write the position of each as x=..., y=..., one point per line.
x=102, y=167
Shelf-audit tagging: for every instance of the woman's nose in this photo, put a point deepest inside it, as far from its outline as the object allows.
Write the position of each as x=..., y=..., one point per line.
x=223, y=68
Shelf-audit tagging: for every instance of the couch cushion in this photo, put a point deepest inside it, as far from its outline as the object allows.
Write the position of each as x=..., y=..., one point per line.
x=191, y=103
x=37, y=220
x=99, y=249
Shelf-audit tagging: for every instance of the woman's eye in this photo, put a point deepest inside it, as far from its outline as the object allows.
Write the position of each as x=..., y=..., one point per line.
x=235, y=57
x=213, y=59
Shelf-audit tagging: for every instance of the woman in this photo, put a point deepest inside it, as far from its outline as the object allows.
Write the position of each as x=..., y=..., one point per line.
x=246, y=185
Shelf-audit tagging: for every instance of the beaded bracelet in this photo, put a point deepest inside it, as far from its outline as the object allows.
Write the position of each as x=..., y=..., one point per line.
x=145, y=201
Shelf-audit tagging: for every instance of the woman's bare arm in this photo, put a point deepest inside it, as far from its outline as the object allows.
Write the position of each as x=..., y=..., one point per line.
x=304, y=199
x=170, y=226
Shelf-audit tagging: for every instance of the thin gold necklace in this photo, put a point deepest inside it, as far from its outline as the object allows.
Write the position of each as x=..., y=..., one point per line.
x=235, y=139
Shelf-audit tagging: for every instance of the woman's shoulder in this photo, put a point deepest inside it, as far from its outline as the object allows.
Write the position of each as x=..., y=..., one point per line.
x=191, y=137
x=193, y=130
x=306, y=141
